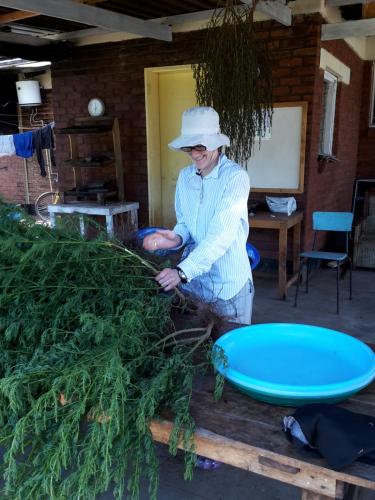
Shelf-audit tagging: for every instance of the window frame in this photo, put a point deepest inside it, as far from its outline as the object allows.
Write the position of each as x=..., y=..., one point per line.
x=328, y=115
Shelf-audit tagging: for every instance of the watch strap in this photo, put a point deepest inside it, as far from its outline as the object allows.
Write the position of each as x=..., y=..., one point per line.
x=181, y=274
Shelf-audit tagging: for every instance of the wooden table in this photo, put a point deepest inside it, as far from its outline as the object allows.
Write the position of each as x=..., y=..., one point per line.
x=245, y=433
x=282, y=222
x=91, y=208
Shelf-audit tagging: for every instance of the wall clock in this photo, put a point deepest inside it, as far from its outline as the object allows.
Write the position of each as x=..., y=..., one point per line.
x=96, y=107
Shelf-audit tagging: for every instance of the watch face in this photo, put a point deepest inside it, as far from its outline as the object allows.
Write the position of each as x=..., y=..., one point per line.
x=96, y=107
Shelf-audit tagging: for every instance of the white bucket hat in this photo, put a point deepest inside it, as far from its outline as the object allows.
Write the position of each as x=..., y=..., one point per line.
x=200, y=125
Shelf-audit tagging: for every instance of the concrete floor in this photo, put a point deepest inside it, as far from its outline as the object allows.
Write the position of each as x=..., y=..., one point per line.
x=357, y=318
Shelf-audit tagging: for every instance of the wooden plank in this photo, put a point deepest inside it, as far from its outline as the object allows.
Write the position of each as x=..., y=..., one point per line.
x=275, y=10
x=308, y=495
x=243, y=419
x=368, y=10
x=252, y=459
x=16, y=15
x=315, y=479
x=283, y=248
x=93, y=16
x=269, y=220
x=335, y=31
x=118, y=160
x=339, y=3
x=17, y=39
x=296, y=248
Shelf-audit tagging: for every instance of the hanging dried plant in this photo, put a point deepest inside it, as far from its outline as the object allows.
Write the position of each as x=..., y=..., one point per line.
x=234, y=76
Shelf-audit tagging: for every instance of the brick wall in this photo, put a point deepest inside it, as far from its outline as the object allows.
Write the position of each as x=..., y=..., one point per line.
x=115, y=72
x=366, y=149
x=12, y=168
x=330, y=186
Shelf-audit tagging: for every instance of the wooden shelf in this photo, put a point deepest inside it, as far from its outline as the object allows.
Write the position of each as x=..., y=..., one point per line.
x=94, y=129
x=86, y=163
x=77, y=161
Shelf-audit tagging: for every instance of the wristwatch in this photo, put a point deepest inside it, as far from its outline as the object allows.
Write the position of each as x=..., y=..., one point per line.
x=181, y=275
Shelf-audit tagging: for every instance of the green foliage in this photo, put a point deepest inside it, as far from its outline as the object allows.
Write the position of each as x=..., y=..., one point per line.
x=234, y=75
x=87, y=359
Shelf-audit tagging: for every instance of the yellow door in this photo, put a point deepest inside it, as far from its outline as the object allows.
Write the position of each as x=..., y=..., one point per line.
x=174, y=91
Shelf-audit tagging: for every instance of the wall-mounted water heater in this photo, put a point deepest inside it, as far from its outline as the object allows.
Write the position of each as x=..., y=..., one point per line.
x=28, y=93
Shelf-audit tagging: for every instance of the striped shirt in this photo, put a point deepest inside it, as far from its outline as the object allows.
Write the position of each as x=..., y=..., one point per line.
x=212, y=220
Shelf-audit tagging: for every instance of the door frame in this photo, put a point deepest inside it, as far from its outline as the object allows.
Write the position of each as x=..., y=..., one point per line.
x=151, y=76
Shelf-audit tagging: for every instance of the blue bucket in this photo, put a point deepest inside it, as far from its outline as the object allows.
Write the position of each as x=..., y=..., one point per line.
x=253, y=255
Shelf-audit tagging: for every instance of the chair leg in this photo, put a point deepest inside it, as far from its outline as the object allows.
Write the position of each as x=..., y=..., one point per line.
x=337, y=286
x=298, y=282
x=350, y=278
x=308, y=265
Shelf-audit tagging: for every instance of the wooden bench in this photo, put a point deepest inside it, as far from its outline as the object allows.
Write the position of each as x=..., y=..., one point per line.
x=245, y=433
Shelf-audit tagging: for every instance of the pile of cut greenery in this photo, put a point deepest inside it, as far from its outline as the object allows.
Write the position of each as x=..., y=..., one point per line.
x=88, y=356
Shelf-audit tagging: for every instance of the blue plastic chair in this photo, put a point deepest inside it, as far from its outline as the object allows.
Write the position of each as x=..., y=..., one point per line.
x=253, y=255
x=328, y=221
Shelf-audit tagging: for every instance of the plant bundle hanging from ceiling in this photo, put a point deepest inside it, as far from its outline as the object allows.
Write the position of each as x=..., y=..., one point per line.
x=234, y=75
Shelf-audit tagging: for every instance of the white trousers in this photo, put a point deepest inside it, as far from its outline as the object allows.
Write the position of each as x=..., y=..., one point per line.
x=239, y=308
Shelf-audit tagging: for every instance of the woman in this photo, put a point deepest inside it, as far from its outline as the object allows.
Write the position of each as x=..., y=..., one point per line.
x=212, y=221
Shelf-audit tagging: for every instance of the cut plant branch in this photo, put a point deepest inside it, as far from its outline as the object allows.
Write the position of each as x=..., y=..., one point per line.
x=89, y=357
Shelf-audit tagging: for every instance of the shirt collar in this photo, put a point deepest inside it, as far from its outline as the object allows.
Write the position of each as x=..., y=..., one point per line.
x=214, y=174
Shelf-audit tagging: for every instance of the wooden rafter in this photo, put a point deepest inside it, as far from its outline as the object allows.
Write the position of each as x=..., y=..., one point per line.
x=93, y=16
x=275, y=9
x=368, y=10
x=341, y=3
x=335, y=31
x=18, y=15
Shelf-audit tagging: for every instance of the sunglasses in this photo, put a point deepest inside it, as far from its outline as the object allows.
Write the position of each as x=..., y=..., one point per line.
x=189, y=149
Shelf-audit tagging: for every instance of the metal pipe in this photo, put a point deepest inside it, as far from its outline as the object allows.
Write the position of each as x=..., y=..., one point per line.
x=25, y=172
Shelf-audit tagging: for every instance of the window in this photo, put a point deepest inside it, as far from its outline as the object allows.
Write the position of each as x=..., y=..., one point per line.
x=328, y=114
x=372, y=100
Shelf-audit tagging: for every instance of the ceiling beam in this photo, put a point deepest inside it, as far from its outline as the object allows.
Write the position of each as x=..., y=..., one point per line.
x=341, y=3
x=335, y=31
x=16, y=15
x=275, y=9
x=93, y=16
x=19, y=39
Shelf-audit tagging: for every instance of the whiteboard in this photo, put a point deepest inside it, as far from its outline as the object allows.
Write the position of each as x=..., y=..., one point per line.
x=278, y=166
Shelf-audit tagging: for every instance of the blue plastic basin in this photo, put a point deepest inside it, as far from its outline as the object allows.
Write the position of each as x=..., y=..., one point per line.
x=293, y=364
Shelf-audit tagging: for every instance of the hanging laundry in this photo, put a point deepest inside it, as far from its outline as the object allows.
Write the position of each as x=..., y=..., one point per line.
x=24, y=144
x=43, y=139
x=7, y=147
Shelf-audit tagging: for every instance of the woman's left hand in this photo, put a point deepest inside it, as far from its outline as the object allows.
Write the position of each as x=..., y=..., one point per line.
x=168, y=279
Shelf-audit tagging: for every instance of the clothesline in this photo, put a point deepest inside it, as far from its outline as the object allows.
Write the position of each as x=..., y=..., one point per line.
x=39, y=113
x=25, y=144
x=22, y=126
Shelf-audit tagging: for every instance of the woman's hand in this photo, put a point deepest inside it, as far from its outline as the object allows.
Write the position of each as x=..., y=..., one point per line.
x=163, y=239
x=168, y=279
